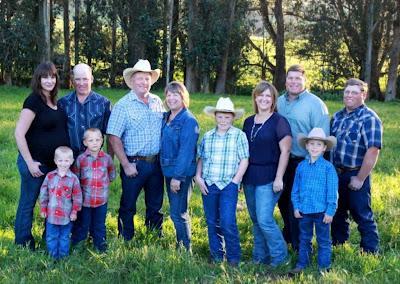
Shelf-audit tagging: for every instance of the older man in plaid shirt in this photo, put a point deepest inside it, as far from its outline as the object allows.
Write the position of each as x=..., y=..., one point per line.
x=358, y=130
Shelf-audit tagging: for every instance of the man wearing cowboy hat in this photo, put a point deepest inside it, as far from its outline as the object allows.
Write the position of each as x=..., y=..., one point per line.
x=84, y=108
x=358, y=130
x=314, y=198
x=135, y=131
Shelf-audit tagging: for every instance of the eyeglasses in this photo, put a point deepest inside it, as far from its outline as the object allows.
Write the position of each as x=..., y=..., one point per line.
x=352, y=93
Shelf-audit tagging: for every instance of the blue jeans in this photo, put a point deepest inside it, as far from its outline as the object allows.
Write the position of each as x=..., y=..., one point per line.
x=57, y=239
x=358, y=203
x=150, y=178
x=220, y=210
x=322, y=230
x=30, y=189
x=178, y=208
x=95, y=220
x=269, y=245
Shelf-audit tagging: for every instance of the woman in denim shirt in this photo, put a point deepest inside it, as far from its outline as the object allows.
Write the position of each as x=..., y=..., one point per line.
x=179, y=135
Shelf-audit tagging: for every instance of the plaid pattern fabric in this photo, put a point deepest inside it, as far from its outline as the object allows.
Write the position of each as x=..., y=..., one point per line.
x=221, y=155
x=95, y=175
x=315, y=187
x=137, y=124
x=59, y=197
x=94, y=112
x=355, y=132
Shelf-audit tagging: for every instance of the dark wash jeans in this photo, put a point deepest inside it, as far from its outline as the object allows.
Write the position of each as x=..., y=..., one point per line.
x=151, y=180
x=29, y=193
x=358, y=204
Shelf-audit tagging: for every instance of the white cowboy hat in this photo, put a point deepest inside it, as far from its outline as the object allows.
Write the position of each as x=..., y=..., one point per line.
x=224, y=105
x=317, y=134
x=140, y=66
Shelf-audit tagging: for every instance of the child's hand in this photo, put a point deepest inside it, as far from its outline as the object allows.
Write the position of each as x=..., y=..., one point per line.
x=297, y=214
x=72, y=217
x=202, y=185
x=43, y=214
x=327, y=219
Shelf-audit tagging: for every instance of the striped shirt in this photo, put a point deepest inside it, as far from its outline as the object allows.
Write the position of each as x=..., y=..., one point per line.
x=59, y=197
x=355, y=132
x=221, y=155
x=95, y=175
x=92, y=113
x=137, y=124
x=315, y=187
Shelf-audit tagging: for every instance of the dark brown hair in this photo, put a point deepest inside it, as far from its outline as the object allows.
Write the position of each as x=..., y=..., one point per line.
x=357, y=82
x=296, y=68
x=43, y=70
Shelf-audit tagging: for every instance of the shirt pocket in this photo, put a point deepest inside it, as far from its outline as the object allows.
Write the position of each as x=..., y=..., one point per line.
x=353, y=135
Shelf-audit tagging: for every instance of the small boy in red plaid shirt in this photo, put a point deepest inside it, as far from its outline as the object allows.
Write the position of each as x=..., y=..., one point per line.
x=60, y=199
x=95, y=170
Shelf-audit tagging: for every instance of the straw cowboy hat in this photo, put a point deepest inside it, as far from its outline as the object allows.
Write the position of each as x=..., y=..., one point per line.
x=140, y=66
x=317, y=134
x=224, y=105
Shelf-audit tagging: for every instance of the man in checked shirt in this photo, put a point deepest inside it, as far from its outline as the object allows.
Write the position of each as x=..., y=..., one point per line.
x=358, y=130
x=95, y=170
x=60, y=199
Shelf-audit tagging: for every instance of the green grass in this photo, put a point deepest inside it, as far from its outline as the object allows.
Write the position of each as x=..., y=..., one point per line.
x=148, y=259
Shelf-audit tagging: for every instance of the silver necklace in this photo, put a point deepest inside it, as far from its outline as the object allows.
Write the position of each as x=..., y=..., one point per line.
x=253, y=136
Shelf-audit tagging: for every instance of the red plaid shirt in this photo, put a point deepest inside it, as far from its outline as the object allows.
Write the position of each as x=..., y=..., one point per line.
x=60, y=197
x=95, y=175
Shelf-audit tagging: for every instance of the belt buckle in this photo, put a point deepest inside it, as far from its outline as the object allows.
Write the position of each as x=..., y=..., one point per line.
x=150, y=159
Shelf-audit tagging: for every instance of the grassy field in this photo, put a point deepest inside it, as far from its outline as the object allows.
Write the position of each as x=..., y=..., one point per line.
x=148, y=259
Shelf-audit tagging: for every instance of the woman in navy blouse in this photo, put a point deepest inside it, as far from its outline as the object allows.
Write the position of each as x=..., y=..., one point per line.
x=179, y=135
x=270, y=141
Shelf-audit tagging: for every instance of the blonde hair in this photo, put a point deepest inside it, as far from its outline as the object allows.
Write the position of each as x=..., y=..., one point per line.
x=178, y=88
x=259, y=89
x=63, y=150
x=92, y=130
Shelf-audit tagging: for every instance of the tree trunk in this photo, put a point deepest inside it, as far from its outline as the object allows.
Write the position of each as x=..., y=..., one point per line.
x=113, y=67
x=67, y=46
x=52, y=24
x=221, y=75
x=76, y=30
x=44, y=18
x=370, y=32
x=280, y=71
x=205, y=83
x=191, y=80
x=394, y=57
x=174, y=38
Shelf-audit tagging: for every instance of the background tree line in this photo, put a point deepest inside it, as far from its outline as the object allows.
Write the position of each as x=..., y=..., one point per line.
x=208, y=44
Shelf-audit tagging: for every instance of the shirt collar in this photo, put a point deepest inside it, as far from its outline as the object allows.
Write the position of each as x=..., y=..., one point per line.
x=214, y=130
x=299, y=96
x=68, y=174
x=89, y=98
x=317, y=161
x=100, y=154
x=133, y=97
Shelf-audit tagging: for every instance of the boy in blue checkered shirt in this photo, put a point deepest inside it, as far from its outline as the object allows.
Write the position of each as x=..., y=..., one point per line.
x=223, y=160
x=314, y=198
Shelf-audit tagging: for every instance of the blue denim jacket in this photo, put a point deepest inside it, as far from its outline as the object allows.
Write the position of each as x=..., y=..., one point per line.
x=178, y=145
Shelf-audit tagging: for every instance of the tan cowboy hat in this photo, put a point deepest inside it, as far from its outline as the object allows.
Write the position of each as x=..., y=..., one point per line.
x=317, y=134
x=224, y=105
x=140, y=66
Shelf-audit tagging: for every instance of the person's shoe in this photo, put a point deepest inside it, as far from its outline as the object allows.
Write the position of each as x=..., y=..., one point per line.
x=322, y=271
x=295, y=271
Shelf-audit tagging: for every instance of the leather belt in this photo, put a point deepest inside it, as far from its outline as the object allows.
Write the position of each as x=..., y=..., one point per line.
x=341, y=170
x=149, y=159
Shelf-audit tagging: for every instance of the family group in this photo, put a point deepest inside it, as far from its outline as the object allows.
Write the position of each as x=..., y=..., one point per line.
x=283, y=155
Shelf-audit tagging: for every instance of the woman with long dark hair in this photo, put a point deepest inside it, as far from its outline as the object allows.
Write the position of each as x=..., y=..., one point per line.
x=41, y=128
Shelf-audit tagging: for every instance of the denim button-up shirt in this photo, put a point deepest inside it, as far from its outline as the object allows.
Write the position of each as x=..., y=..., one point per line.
x=93, y=112
x=178, y=145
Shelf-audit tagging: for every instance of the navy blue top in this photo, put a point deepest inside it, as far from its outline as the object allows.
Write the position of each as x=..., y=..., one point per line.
x=178, y=145
x=264, y=150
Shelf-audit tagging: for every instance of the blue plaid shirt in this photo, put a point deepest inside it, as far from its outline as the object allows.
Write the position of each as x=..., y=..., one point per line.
x=93, y=112
x=137, y=124
x=355, y=132
x=221, y=155
x=315, y=187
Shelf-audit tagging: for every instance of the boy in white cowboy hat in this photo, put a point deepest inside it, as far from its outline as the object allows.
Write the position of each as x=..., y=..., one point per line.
x=314, y=198
x=223, y=159
x=135, y=133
